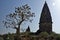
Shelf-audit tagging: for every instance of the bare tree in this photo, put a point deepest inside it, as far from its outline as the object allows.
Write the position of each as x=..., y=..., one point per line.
x=21, y=14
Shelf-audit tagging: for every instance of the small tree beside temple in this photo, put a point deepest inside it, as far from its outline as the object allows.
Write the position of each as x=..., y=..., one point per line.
x=21, y=14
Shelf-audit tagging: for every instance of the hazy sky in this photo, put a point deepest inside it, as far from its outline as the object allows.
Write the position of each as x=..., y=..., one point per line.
x=8, y=6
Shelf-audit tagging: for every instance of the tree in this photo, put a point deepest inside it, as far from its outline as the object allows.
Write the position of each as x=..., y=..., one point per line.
x=21, y=14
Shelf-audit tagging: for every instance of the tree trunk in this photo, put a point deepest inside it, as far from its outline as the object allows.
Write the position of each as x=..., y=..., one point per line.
x=18, y=30
x=18, y=33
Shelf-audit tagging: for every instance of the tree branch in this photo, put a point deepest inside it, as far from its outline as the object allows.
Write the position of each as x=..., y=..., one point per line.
x=21, y=22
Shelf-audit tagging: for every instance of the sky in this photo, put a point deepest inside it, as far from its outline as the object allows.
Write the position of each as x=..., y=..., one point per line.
x=8, y=6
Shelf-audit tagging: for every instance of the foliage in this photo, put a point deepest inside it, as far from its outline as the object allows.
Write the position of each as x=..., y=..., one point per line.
x=1, y=38
x=43, y=34
x=58, y=37
x=53, y=34
x=8, y=36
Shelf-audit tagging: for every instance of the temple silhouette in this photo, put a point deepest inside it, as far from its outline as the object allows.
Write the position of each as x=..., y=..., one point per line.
x=45, y=21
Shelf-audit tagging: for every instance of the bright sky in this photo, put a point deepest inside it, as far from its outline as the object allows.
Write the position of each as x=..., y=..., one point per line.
x=8, y=6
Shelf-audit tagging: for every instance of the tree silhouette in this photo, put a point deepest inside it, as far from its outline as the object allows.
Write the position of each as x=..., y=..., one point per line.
x=21, y=14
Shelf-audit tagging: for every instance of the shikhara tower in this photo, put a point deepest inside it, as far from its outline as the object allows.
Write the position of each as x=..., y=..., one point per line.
x=45, y=23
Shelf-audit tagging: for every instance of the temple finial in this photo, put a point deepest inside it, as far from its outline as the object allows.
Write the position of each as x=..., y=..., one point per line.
x=45, y=2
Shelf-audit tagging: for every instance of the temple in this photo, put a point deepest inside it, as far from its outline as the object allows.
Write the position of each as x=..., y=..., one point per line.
x=28, y=29
x=45, y=23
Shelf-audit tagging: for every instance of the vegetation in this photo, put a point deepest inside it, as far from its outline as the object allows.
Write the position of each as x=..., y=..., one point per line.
x=28, y=36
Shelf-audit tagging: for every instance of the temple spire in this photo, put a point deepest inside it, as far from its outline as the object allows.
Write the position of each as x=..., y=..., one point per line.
x=45, y=23
x=28, y=29
x=45, y=14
